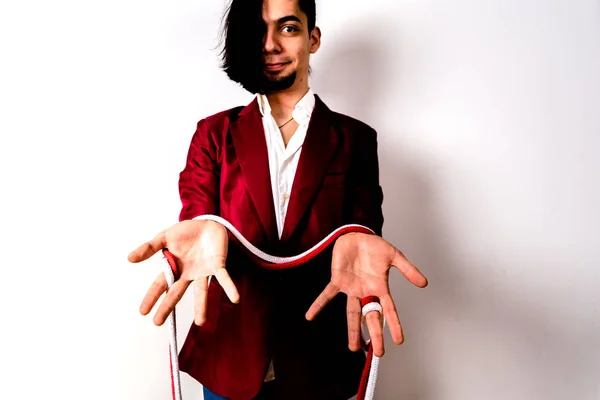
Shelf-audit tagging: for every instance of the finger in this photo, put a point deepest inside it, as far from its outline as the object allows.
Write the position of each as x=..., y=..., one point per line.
x=375, y=325
x=148, y=249
x=227, y=285
x=409, y=271
x=200, y=299
x=325, y=297
x=156, y=290
x=391, y=317
x=354, y=314
x=174, y=294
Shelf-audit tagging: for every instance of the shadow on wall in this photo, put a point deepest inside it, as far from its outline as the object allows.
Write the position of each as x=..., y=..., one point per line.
x=351, y=79
x=463, y=300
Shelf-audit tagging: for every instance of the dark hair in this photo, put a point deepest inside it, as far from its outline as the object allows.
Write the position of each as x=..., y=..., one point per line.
x=242, y=40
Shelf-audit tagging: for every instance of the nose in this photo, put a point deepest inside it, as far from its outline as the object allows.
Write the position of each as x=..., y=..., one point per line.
x=270, y=42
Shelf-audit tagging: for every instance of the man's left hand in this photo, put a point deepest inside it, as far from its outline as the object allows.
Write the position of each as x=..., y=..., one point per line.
x=360, y=268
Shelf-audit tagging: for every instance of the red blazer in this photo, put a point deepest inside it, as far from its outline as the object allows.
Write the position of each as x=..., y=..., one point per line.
x=336, y=183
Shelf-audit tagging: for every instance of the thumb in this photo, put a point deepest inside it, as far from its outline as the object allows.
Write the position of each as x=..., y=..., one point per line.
x=148, y=249
x=410, y=272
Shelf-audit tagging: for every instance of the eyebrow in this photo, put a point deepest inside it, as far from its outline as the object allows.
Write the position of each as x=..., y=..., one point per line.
x=288, y=18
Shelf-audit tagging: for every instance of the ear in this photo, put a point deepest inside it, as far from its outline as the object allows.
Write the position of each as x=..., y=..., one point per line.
x=315, y=40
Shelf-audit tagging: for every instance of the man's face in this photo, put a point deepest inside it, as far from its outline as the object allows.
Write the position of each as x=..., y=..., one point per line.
x=287, y=45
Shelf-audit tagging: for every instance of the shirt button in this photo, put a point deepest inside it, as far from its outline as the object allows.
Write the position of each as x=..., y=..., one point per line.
x=286, y=196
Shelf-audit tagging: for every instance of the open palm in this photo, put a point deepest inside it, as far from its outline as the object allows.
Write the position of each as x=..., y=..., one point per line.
x=200, y=248
x=360, y=268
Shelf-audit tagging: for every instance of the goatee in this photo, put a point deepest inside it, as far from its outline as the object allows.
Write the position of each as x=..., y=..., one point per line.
x=272, y=84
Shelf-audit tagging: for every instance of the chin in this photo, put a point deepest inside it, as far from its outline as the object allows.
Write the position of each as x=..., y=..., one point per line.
x=279, y=82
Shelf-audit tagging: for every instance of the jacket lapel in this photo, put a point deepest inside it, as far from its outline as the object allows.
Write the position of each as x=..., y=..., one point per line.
x=248, y=136
x=317, y=151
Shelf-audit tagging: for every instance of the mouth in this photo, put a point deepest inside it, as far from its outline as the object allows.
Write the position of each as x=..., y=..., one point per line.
x=275, y=66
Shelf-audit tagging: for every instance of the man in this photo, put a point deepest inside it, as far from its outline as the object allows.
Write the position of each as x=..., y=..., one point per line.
x=285, y=171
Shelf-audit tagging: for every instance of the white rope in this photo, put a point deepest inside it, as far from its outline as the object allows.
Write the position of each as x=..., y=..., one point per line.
x=173, y=350
x=370, y=391
x=261, y=254
x=367, y=308
x=372, y=306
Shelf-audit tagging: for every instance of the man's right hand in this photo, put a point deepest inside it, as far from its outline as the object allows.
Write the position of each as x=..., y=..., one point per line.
x=200, y=248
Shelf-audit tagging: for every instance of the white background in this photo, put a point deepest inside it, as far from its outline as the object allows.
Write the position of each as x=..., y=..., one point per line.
x=489, y=119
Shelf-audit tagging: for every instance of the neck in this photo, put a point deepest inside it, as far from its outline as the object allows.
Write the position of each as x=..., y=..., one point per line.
x=283, y=103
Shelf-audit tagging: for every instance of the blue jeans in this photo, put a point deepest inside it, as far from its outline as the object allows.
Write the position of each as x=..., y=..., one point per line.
x=208, y=395
x=267, y=392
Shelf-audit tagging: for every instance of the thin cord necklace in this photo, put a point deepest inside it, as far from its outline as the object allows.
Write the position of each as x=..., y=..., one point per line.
x=281, y=126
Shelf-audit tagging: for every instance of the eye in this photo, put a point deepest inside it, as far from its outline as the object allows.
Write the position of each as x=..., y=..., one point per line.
x=289, y=29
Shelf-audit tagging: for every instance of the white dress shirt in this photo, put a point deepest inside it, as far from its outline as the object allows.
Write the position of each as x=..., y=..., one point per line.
x=283, y=161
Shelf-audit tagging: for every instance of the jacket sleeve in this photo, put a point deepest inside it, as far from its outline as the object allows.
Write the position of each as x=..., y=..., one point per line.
x=199, y=180
x=364, y=194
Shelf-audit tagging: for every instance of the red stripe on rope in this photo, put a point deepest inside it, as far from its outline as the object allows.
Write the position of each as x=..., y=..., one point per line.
x=172, y=377
x=364, y=379
x=369, y=299
x=312, y=254
x=172, y=263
